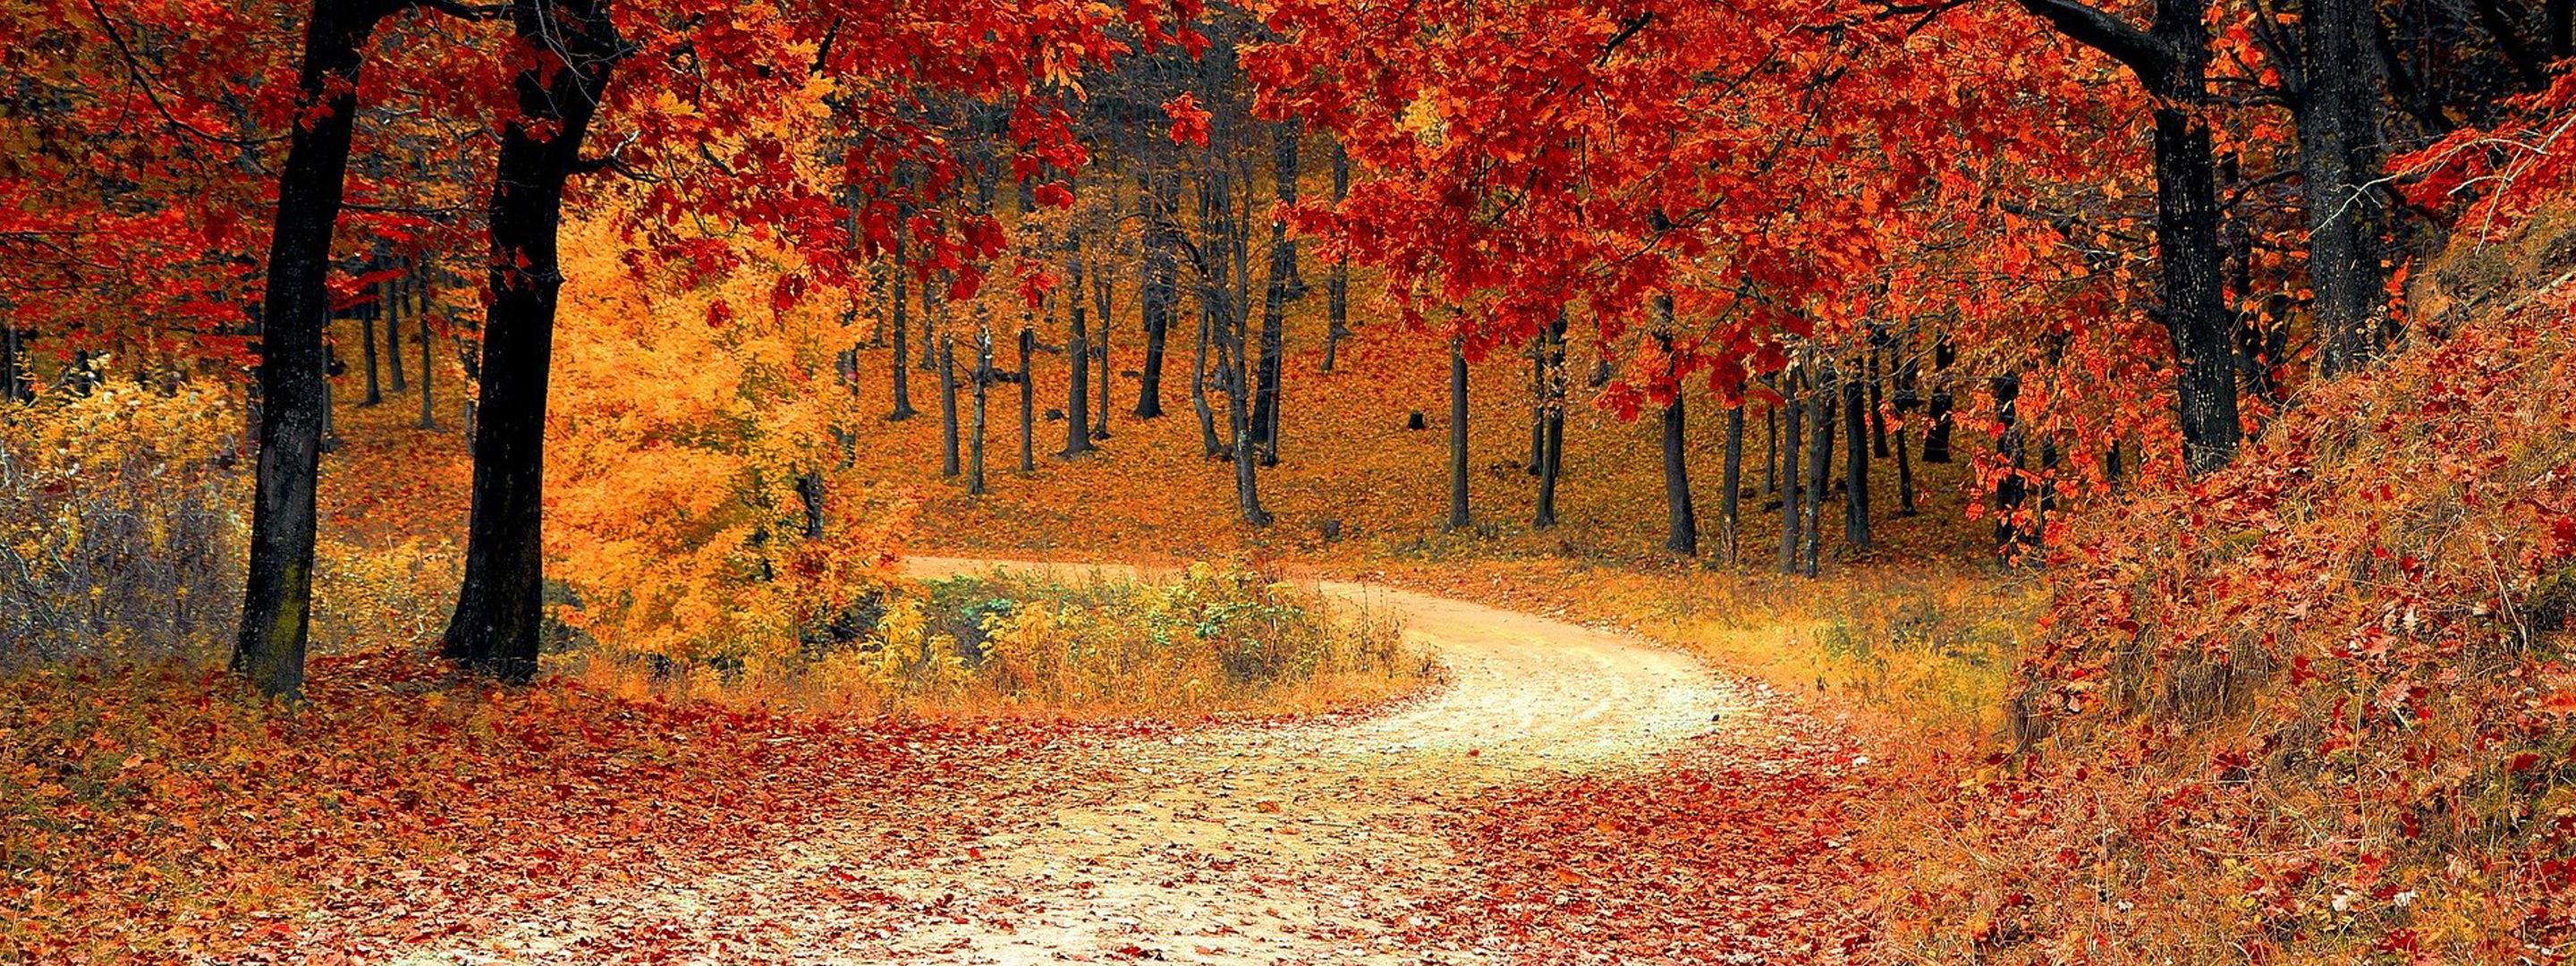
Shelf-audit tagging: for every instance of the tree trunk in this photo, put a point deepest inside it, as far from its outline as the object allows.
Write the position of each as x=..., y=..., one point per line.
x=393, y=295
x=930, y=334
x=1792, y=507
x=982, y=381
x=1159, y=292
x=1936, y=411
x=1103, y=299
x=1552, y=421
x=428, y=370
x=1877, y=401
x=1820, y=459
x=1337, y=286
x=902, y=329
x=1026, y=377
x=1904, y=477
x=809, y=498
x=500, y=607
x=1908, y=398
x=1077, y=351
x=1770, y=448
x=2171, y=60
x=948, y=459
x=2010, y=489
x=1856, y=451
x=277, y=597
x=2187, y=223
x=1208, y=441
x=1238, y=415
x=1681, y=521
x=2337, y=113
x=1730, y=502
x=1458, y=516
x=1274, y=302
x=367, y=315
x=9, y=380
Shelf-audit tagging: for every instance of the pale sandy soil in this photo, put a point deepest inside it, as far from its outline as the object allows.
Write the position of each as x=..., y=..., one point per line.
x=1300, y=843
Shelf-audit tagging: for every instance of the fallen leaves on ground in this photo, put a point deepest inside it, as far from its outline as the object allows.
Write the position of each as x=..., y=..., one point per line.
x=155, y=814
x=1739, y=847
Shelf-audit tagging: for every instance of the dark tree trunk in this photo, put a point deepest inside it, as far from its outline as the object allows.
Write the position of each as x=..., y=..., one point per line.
x=1103, y=299
x=393, y=296
x=1792, y=505
x=1026, y=377
x=2337, y=110
x=428, y=371
x=1337, y=286
x=277, y=597
x=809, y=497
x=2187, y=223
x=1908, y=398
x=982, y=380
x=1208, y=441
x=500, y=607
x=1770, y=449
x=1856, y=421
x=948, y=458
x=1077, y=351
x=1936, y=411
x=2010, y=489
x=1820, y=462
x=1904, y=477
x=2171, y=60
x=1681, y=520
x=9, y=378
x=1274, y=303
x=367, y=315
x=1877, y=399
x=902, y=330
x=1458, y=516
x=1730, y=504
x=1552, y=422
x=930, y=329
x=1238, y=414
x=1159, y=292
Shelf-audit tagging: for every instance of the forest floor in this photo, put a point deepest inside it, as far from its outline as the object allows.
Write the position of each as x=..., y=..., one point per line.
x=1567, y=794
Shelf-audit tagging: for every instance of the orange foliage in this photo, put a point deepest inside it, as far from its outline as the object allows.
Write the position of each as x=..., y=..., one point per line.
x=2315, y=707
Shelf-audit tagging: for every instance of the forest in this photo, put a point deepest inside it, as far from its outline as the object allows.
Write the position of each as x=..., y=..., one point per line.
x=1288, y=481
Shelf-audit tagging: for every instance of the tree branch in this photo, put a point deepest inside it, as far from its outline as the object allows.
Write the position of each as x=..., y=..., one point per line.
x=2101, y=31
x=464, y=11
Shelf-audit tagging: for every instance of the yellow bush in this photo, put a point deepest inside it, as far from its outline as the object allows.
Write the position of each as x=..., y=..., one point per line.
x=119, y=535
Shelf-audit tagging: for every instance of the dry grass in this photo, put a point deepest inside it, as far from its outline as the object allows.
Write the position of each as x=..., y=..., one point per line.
x=1209, y=641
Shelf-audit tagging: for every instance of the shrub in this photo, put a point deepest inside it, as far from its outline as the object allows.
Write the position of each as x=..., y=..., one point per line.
x=1210, y=639
x=2315, y=707
x=119, y=533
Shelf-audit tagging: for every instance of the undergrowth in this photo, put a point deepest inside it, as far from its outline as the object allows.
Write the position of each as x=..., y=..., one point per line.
x=1209, y=640
x=2317, y=707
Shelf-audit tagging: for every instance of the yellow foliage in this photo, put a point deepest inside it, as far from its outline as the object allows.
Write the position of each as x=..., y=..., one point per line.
x=119, y=530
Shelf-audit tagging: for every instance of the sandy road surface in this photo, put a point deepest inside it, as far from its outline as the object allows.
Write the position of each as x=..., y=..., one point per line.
x=1305, y=843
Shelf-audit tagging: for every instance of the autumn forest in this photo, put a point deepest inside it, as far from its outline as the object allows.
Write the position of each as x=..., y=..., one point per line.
x=1288, y=481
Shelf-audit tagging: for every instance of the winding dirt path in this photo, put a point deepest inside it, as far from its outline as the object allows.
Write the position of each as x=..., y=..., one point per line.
x=1303, y=843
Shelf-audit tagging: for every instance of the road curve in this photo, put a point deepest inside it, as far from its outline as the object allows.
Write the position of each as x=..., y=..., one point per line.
x=1311, y=842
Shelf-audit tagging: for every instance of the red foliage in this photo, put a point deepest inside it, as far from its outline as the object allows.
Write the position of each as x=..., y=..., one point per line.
x=153, y=812
x=1743, y=846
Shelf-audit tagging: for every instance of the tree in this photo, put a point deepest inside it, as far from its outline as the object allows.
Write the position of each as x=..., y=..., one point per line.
x=2171, y=61
x=500, y=607
x=1459, y=518
x=277, y=598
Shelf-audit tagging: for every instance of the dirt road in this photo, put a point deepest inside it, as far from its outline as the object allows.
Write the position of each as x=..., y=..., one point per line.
x=1303, y=843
